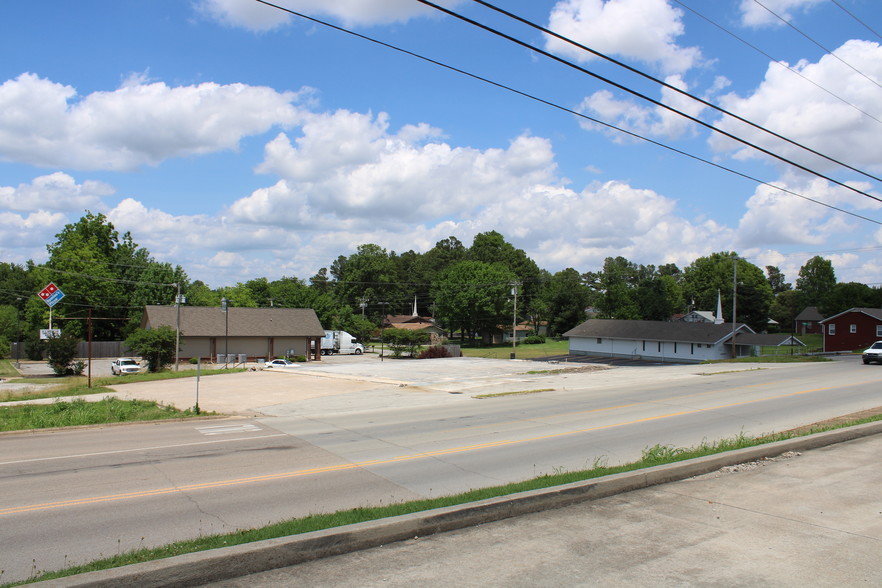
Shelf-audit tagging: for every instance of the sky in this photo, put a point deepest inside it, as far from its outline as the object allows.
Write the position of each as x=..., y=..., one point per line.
x=241, y=141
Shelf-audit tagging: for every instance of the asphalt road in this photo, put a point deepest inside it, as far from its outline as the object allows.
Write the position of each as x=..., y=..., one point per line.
x=344, y=434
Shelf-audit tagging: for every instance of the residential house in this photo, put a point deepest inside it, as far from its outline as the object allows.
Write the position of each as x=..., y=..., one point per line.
x=256, y=333
x=756, y=341
x=854, y=329
x=809, y=321
x=679, y=342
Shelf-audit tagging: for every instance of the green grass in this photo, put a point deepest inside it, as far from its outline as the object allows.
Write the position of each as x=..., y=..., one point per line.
x=79, y=412
x=7, y=370
x=523, y=351
x=52, y=387
x=516, y=393
x=652, y=456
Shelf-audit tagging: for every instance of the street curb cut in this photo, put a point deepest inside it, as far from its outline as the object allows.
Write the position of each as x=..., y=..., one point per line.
x=195, y=569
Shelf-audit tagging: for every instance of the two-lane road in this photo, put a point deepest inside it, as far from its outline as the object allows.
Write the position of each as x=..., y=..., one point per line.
x=71, y=496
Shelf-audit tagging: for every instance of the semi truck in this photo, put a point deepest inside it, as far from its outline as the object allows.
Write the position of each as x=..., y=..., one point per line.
x=340, y=342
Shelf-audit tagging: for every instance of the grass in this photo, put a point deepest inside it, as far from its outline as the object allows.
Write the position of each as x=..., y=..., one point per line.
x=652, y=456
x=522, y=351
x=78, y=412
x=498, y=394
x=53, y=387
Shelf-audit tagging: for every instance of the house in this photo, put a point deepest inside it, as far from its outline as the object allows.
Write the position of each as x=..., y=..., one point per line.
x=853, y=329
x=256, y=333
x=759, y=340
x=698, y=316
x=809, y=321
x=416, y=323
x=658, y=340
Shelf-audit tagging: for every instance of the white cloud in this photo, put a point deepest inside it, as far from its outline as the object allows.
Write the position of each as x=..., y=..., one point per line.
x=348, y=170
x=754, y=14
x=799, y=110
x=55, y=192
x=24, y=236
x=138, y=124
x=255, y=16
x=647, y=121
x=642, y=30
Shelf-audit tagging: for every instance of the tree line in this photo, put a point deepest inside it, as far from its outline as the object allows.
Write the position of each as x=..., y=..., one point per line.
x=467, y=289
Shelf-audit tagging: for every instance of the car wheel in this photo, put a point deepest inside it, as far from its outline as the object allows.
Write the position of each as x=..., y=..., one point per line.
x=866, y=362
x=358, y=352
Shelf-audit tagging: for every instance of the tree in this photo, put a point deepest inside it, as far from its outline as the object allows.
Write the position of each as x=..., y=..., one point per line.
x=402, y=341
x=60, y=353
x=787, y=306
x=659, y=297
x=368, y=273
x=617, y=284
x=157, y=346
x=708, y=276
x=816, y=278
x=777, y=280
x=847, y=295
x=567, y=301
x=473, y=296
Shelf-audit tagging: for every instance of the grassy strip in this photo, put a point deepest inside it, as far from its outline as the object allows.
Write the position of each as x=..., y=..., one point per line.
x=78, y=385
x=79, y=412
x=772, y=359
x=7, y=370
x=522, y=351
x=652, y=456
x=498, y=394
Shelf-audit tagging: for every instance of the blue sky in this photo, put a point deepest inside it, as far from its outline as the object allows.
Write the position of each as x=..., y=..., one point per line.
x=238, y=141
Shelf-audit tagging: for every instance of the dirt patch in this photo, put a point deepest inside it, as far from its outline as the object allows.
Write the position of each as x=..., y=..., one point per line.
x=840, y=420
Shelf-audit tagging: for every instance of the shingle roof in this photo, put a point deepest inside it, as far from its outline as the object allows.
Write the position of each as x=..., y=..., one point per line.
x=767, y=339
x=656, y=330
x=876, y=313
x=210, y=321
x=810, y=313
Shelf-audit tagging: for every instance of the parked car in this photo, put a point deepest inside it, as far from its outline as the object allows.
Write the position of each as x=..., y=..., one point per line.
x=124, y=365
x=279, y=363
x=873, y=353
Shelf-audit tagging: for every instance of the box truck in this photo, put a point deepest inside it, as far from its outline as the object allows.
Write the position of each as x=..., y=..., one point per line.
x=340, y=342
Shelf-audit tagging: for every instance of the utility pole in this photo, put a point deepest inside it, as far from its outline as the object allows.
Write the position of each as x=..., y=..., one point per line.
x=734, y=302
x=514, y=321
x=224, y=309
x=178, y=326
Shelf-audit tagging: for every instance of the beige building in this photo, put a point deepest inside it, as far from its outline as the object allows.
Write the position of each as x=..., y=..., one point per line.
x=257, y=333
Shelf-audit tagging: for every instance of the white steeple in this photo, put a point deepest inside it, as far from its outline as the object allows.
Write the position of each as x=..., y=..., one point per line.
x=718, y=320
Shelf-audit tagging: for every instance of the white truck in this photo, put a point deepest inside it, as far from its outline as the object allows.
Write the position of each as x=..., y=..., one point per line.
x=340, y=342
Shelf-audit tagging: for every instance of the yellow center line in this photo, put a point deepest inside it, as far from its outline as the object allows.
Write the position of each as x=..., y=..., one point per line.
x=385, y=461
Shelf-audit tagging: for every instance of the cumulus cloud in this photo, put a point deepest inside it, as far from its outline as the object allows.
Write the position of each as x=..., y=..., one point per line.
x=55, y=192
x=644, y=120
x=259, y=17
x=350, y=169
x=642, y=30
x=797, y=109
x=138, y=124
x=755, y=14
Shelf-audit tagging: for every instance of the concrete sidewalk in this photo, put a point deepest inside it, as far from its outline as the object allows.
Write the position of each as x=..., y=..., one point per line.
x=810, y=517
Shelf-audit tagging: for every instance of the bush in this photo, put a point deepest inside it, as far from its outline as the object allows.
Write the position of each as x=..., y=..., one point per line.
x=434, y=352
x=60, y=353
x=534, y=339
x=157, y=346
x=300, y=358
x=194, y=360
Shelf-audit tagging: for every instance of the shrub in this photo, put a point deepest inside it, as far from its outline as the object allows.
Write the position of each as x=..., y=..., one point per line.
x=434, y=352
x=157, y=346
x=534, y=339
x=300, y=358
x=60, y=352
x=194, y=360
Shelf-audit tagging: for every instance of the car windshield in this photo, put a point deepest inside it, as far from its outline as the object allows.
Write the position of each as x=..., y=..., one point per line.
x=877, y=345
x=127, y=362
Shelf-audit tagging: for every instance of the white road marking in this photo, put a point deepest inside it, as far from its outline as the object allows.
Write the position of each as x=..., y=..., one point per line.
x=227, y=429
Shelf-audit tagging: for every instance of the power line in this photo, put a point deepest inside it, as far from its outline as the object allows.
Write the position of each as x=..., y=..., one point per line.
x=827, y=51
x=644, y=97
x=577, y=114
x=778, y=62
x=670, y=87
x=846, y=11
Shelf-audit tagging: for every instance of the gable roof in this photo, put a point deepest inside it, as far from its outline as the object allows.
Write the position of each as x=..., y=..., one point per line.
x=875, y=313
x=767, y=339
x=810, y=313
x=210, y=321
x=657, y=330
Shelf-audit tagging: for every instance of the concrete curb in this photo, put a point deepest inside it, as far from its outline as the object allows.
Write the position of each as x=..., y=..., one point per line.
x=195, y=569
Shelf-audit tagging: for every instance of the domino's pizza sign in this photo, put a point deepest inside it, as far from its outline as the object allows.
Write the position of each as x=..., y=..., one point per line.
x=51, y=294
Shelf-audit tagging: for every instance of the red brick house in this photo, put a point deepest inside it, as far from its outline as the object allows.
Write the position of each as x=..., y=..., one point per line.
x=854, y=329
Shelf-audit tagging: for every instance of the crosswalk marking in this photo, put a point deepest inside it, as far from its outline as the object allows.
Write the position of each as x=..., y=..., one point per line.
x=227, y=429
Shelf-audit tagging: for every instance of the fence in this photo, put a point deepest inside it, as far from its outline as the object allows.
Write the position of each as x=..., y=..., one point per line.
x=99, y=349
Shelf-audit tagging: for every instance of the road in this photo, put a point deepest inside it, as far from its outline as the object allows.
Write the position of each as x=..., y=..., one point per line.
x=72, y=496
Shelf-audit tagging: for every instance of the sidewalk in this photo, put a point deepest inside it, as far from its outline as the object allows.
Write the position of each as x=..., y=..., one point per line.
x=811, y=517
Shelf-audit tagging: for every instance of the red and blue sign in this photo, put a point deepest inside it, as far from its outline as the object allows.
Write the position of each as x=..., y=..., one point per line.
x=51, y=294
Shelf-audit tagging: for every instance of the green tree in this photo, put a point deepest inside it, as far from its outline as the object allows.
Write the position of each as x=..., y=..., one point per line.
x=368, y=273
x=61, y=352
x=617, y=286
x=473, y=296
x=816, y=278
x=788, y=304
x=847, y=295
x=777, y=280
x=567, y=301
x=707, y=276
x=402, y=341
x=157, y=346
x=659, y=297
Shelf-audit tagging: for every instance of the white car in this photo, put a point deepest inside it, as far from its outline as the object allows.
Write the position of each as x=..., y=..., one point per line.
x=873, y=353
x=124, y=365
x=279, y=363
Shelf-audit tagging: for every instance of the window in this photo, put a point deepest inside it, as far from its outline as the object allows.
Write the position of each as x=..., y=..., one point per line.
x=852, y=328
x=831, y=329
x=691, y=348
x=599, y=341
x=644, y=344
x=675, y=347
x=879, y=330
